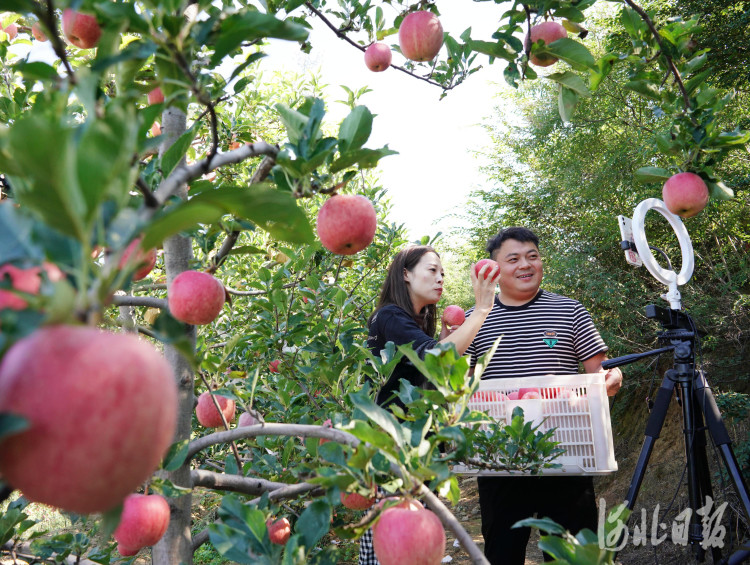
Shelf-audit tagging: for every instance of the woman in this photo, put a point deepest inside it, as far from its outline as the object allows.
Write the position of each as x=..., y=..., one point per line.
x=406, y=313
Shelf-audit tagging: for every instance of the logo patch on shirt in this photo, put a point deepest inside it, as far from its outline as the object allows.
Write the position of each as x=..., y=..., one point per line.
x=550, y=337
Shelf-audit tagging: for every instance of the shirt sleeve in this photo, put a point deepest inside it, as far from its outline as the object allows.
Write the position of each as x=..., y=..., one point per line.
x=400, y=328
x=588, y=342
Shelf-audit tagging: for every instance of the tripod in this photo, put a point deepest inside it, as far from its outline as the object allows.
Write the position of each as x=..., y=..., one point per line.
x=699, y=414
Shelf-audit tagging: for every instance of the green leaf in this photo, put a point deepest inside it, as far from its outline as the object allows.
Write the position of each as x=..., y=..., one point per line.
x=15, y=236
x=720, y=191
x=177, y=150
x=314, y=522
x=355, y=129
x=365, y=158
x=651, y=174
x=274, y=211
x=603, y=67
x=11, y=424
x=566, y=102
x=570, y=13
x=544, y=524
x=497, y=49
x=378, y=415
x=250, y=25
x=176, y=455
x=644, y=88
x=36, y=70
x=572, y=81
x=572, y=52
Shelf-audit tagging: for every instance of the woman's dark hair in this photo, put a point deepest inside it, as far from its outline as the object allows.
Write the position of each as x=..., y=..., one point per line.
x=395, y=290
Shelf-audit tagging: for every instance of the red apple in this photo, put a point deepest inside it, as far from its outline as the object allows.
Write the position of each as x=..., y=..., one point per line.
x=126, y=551
x=145, y=260
x=355, y=501
x=36, y=31
x=524, y=391
x=490, y=265
x=273, y=366
x=155, y=129
x=279, y=531
x=79, y=29
x=156, y=96
x=420, y=36
x=102, y=409
x=208, y=415
x=11, y=30
x=531, y=395
x=454, y=315
x=195, y=297
x=685, y=194
x=23, y=280
x=378, y=57
x=143, y=522
x=346, y=223
x=326, y=424
x=513, y=395
x=408, y=533
x=246, y=419
x=547, y=32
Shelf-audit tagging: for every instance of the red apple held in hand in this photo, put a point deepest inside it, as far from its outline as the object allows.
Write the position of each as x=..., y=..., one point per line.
x=138, y=256
x=279, y=531
x=490, y=265
x=355, y=501
x=346, y=223
x=408, y=534
x=454, y=315
x=143, y=522
x=685, y=194
x=36, y=31
x=547, y=32
x=273, y=366
x=420, y=36
x=378, y=57
x=101, y=406
x=195, y=297
x=209, y=416
x=79, y=29
x=156, y=96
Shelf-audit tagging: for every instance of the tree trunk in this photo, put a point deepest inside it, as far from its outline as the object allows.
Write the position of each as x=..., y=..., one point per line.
x=176, y=545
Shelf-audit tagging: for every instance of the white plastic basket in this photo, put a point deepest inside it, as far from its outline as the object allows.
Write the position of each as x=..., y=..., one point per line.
x=575, y=405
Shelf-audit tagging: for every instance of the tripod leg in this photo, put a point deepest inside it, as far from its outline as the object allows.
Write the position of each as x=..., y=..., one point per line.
x=653, y=429
x=720, y=435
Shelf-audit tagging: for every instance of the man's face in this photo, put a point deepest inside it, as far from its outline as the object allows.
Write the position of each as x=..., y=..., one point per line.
x=520, y=271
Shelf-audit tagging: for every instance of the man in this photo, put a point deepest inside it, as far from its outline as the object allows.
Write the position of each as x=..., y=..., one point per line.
x=526, y=316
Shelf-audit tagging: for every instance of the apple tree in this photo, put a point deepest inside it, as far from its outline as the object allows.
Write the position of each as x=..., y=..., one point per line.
x=148, y=123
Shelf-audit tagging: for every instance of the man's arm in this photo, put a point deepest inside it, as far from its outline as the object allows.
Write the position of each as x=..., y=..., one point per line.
x=613, y=378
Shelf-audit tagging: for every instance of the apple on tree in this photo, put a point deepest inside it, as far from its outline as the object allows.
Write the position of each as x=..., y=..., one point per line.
x=279, y=531
x=355, y=501
x=144, y=260
x=81, y=30
x=156, y=96
x=246, y=419
x=420, y=36
x=195, y=297
x=208, y=415
x=25, y=280
x=685, y=194
x=143, y=522
x=408, y=533
x=378, y=57
x=346, y=223
x=101, y=406
x=273, y=366
x=11, y=30
x=37, y=32
x=547, y=32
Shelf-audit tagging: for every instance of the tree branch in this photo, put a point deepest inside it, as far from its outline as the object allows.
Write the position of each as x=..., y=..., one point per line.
x=127, y=300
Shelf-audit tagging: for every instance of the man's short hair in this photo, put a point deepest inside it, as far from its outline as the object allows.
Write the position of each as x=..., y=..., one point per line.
x=516, y=232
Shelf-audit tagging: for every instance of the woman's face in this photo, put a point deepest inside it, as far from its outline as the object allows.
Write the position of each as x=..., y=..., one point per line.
x=425, y=281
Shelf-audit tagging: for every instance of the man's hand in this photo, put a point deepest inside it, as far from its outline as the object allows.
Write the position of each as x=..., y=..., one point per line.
x=613, y=380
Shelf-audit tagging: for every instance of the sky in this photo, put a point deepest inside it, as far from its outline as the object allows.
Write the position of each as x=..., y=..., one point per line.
x=437, y=140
